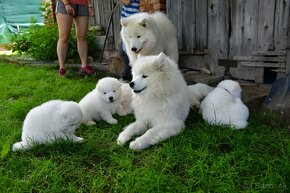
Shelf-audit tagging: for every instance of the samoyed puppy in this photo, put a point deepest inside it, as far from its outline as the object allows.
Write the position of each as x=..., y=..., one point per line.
x=160, y=102
x=55, y=119
x=149, y=34
x=102, y=102
x=223, y=106
x=197, y=92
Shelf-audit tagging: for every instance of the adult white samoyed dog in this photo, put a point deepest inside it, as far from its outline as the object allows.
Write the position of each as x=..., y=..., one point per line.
x=160, y=102
x=55, y=119
x=223, y=106
x=102, y=102
x=149, y=34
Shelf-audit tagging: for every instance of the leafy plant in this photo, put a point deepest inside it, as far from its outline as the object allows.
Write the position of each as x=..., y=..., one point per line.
x=40, y=41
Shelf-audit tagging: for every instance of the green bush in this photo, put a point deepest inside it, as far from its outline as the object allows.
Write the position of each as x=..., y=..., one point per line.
x=40, y=42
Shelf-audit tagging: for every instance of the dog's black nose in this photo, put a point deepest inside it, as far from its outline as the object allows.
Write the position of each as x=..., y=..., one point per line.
x=111, y=98
x=134, y=49
x=131, y=84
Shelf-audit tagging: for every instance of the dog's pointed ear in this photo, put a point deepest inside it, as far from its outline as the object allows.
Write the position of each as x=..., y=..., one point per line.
x=124, y=22
x=161, y=61
x=143, y=22
x=162, y=58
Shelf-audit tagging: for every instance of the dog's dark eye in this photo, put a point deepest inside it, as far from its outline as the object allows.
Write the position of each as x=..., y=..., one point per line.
x=144, y=76
x=138, y=36
x=105, y=93
x=114, y=91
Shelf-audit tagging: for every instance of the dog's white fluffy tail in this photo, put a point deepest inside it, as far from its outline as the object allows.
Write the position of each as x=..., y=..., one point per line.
x=197, y=92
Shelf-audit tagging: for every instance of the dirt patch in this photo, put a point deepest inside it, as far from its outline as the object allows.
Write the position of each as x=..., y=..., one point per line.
x=254, y=96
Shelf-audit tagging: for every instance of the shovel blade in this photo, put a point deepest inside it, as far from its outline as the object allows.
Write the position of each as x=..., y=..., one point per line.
x=279, y=95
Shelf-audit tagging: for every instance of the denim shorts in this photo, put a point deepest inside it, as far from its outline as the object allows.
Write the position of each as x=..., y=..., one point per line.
x=80, y=9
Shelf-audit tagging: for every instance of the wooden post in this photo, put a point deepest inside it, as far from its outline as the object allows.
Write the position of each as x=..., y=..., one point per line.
x=288, y=44
x=218, y=28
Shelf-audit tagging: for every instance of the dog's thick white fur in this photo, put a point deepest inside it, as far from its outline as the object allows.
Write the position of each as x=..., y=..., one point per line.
x=149, y=34
x=102, y=102
x=126, y=98
x=52, y=120
x=160, y=102
x=223, y=106
x=197, y=92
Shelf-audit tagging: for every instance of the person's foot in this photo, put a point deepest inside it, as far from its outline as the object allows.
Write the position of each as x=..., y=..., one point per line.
x=62, y=72
x=87, y=70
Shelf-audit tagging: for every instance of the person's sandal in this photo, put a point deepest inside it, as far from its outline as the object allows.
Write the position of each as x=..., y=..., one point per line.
x=62, y=72
x=87, y=70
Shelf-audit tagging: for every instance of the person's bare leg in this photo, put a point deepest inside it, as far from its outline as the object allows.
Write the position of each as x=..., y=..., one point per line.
x=82, y=23
x=64, y=22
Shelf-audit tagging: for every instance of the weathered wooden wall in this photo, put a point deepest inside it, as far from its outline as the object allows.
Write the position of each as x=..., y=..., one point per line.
x=103, y=10
x=190, y=20
x=224, y=29
x=218, y=29
x=257, y=25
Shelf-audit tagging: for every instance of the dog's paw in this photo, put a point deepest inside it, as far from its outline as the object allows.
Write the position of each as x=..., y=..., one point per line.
x=137, y=145
x=77, y=139
x=113, y=121
x=90, y=123
x=122, y=139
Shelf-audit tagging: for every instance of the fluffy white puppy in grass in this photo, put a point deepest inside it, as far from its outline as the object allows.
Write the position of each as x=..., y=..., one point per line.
x=52, y=120
x=197, y=92
x=160, y=102
x=223, y=106
x=102, y=102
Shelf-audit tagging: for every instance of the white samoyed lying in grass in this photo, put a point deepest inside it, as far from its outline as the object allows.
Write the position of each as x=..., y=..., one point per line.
x=160, y=102
x=223, y=106
x=102, y=102
x=52, y=120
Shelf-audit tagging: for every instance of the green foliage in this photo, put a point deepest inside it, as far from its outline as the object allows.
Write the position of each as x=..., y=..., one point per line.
x=202, y=158
x=45, y=8
x=40, y=41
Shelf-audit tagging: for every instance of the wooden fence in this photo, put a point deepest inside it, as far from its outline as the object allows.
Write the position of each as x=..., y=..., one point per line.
x=249, y=31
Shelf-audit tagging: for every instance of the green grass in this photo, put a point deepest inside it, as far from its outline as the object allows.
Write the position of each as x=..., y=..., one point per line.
x=201, y=159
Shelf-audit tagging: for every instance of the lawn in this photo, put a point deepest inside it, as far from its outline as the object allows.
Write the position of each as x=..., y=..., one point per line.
x=201, y=159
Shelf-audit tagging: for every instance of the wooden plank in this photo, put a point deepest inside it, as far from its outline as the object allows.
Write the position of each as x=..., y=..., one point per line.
x=288, y=63
x=228, y=63
x=260, y=58
x=188, y=24
x=117, y=26
x=201, y=25
x=280, y=70
x=195, y=62
x=244, y=19
x=281, y=22
x=102, y=14
x=218, y=28
x=259, y=75
x=174, y=13
x=269, y=53
x=265, y=39
x=288, y=45
x=263, y=64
